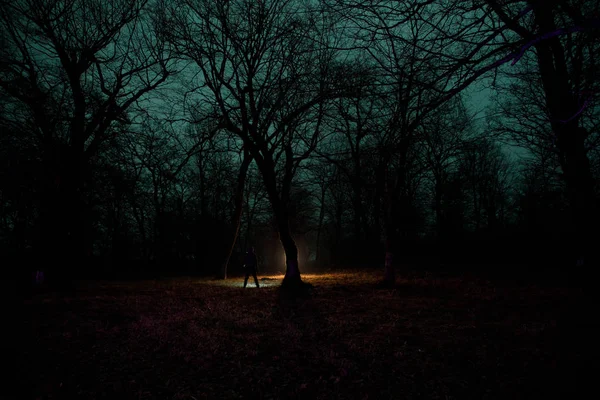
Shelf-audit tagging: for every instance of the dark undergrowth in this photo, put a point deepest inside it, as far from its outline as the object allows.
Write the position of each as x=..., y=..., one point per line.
x=426, y=338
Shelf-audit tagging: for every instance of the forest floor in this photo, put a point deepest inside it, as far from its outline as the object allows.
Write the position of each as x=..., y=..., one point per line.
x=427, y=338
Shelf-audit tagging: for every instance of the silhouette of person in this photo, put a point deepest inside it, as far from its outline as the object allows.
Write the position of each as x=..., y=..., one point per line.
x=250, y=266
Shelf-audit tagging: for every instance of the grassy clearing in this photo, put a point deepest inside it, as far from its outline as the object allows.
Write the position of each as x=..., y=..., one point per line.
x=428, y=338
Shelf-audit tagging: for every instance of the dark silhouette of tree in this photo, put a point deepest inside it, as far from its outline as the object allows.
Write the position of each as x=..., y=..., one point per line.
x=322, y=175
x=336, y=129
x=487, y=180
x=236, y=217
x=350, y=146
x=268, y=68
x=411, y=83
x=565, y=38
x=463, y=41
x=445, y=133
x=523, y=118
x=73, y=70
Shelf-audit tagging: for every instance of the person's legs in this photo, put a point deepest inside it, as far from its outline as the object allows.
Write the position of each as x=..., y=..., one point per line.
x=255, y=278
x=246, y=278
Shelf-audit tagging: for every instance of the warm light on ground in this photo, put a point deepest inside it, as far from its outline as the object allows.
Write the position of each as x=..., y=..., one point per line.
x=336, y=278
x=162, y=334
x=263, y=281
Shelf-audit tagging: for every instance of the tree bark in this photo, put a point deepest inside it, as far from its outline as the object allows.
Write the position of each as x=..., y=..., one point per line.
x=292, y=271
x=564, y=113
x=237, y=213
x=292, y=278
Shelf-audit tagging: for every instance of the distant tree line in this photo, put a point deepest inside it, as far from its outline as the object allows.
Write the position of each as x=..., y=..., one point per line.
x=141, y=137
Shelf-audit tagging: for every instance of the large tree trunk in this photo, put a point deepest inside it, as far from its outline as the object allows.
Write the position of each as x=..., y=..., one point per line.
x=564, y=113
x=237, y=213
x=580, y=188
x=292, y=271
x=292, y=278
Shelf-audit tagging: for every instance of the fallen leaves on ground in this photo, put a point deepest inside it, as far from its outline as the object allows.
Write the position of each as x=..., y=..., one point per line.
x=428, y=338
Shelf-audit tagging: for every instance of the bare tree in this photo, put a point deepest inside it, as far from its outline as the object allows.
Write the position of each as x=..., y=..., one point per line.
x=74, y=69
x=407, y=88
x=468, y=40
x=350, y=126
x=487, y=177
x=268, y=68
x=566, y=52
x=444, y=135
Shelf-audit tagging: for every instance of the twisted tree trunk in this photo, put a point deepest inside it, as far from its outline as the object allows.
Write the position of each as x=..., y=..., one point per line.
x=279, y=204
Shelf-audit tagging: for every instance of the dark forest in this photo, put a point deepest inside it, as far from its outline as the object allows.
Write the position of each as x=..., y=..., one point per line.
x=414, y=148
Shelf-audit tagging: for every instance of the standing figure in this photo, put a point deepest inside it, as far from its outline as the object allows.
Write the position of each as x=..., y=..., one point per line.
x=250, y=266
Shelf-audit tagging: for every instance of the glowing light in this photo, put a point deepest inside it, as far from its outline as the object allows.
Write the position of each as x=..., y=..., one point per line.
x=238, y=282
